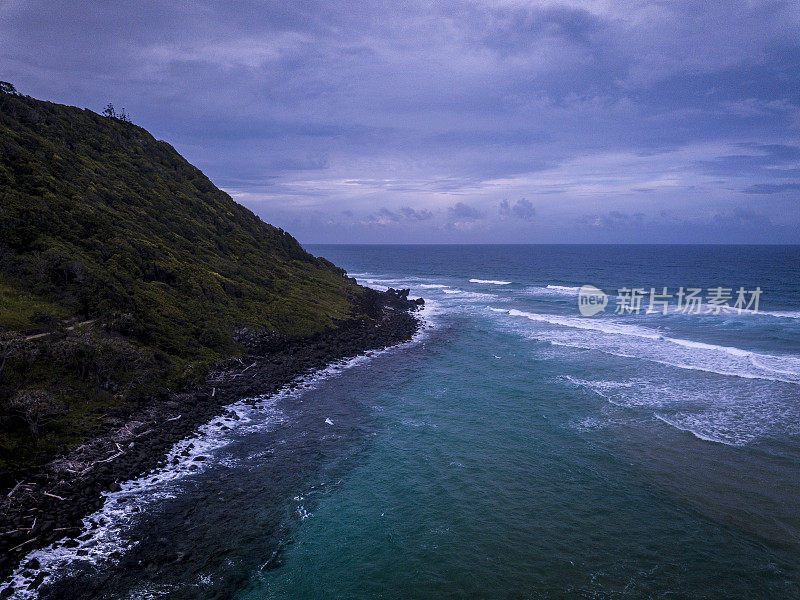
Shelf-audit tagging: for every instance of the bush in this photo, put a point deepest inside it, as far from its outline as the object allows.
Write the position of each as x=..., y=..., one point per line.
x=14, y=348
x=110, y=360
x=37, y=408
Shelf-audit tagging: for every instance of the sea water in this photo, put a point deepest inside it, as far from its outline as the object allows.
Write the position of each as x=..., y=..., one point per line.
x=514, y=449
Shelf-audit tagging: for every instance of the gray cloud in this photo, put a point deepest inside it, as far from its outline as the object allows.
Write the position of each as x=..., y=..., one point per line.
x=741, y=216
x=772, y=188
x=761, y=160
x=384, y=216
x=299, y=164
x=416, y=215
x=463, y=212
x=306, y=110
x=612, y=220
x=522, y=209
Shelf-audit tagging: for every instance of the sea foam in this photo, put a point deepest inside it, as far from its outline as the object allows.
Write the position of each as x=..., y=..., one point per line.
x=633, y=341
x=490, y=281
x=105, y=531
x=730, y=413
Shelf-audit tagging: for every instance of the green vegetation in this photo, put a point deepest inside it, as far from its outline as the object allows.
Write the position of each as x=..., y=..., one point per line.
x=133, y=270
x=20, y=310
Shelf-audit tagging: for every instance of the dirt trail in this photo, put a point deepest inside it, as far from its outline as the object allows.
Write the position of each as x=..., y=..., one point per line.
x=37, y=336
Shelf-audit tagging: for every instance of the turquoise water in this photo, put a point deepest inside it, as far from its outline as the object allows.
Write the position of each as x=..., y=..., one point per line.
x=515, y=450
x=513, y=467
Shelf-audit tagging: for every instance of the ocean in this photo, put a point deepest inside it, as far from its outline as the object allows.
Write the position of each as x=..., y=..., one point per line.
x=514, y=449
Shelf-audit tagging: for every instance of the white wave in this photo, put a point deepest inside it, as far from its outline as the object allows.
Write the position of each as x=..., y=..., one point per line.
x=104, y=531
x=698, y=434
x=464, y=294
x=615, y=338
x=599, y=384
x=786, y=314
x=726, y=412
x=490, y=281
x=433, y=286
x=376, y=280
x=553, y=291
x=383, y=284
x=604, y=389
x=733, y=313
x=371, y=283
x=609, y=327
x=738, y=421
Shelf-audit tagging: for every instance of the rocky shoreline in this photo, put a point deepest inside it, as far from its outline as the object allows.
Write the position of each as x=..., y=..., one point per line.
x=49, y=505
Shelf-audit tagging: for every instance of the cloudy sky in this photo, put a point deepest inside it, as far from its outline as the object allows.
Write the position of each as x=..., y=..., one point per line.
x=505, y=121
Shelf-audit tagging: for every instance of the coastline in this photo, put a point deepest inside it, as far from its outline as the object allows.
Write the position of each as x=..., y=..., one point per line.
x=50, y=505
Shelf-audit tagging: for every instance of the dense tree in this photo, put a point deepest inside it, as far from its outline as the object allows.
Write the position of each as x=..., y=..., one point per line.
x=14, y=347
x=37, y=408
x=101, y=218
x=147, y=269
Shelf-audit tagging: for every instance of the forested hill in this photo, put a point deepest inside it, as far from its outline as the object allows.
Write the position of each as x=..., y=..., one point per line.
x=99, y=217
x=125, y=272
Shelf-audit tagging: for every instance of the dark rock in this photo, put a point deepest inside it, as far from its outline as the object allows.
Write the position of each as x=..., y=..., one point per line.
x=37, y=581
x=279, y=360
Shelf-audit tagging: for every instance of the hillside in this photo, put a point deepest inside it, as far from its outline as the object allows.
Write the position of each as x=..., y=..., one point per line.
x=125, y=272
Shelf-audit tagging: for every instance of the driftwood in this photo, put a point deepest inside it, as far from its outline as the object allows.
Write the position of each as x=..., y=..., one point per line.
x=14, y=489
x=24, y=544
x=110, y=458
x=54, y=496
x=15, y=531
x=105, y=460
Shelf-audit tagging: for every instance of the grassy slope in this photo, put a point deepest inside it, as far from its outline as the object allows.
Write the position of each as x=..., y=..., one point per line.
x=99, y=220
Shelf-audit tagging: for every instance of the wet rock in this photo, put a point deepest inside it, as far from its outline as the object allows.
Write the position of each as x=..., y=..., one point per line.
x=279, y=360
x=37, y=581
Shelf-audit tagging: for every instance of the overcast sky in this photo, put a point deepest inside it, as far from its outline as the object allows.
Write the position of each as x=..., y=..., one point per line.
x=579, y=121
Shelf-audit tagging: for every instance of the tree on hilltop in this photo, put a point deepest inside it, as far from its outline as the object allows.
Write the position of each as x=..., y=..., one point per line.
x=111, y=112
